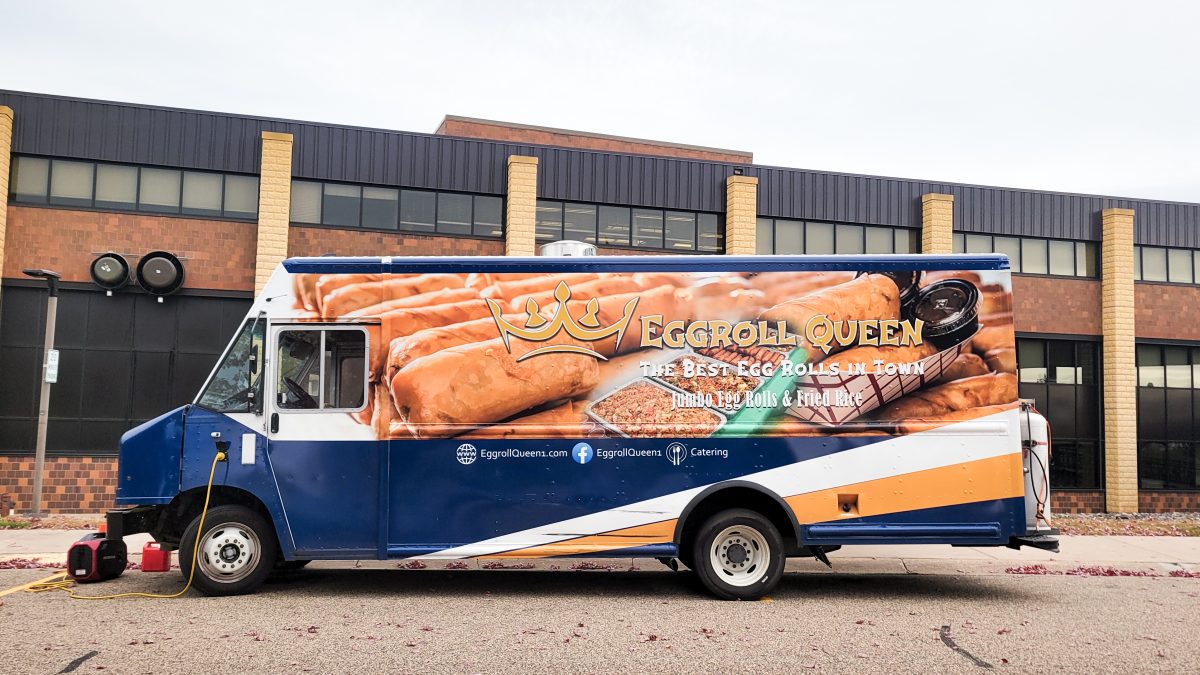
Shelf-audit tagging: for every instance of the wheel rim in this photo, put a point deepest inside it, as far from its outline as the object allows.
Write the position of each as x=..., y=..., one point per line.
x=740, y=555
x=229, y=553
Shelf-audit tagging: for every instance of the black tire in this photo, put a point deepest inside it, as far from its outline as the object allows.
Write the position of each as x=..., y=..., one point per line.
x=251, y=548
x=750, y=554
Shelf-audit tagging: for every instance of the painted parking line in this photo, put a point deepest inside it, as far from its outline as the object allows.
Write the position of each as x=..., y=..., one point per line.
x=15, y=589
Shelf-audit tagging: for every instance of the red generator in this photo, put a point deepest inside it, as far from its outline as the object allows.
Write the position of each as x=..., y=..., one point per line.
x=96, y=558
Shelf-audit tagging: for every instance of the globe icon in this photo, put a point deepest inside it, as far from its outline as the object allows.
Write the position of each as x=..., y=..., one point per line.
x=466, y=454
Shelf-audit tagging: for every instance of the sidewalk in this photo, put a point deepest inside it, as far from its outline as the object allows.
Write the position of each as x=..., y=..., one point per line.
x=1159, y=554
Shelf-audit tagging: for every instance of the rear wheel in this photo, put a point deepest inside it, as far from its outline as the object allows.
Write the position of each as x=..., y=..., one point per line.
x=237, y=551
x=738, y=555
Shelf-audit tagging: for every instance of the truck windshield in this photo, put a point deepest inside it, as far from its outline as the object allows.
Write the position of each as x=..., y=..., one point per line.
x=237, y=384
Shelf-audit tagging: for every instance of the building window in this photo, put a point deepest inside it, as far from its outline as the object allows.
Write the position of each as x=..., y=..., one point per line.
x=1060, y=375
x=1168, y=265
x=202, y=193
x=795, y=237
x=1168, y=417
x=1029, y=255
x=71, y=183
x=31, y=175
x=385, y=208
x=116, y=186
x=678, y=231
x=126, y=187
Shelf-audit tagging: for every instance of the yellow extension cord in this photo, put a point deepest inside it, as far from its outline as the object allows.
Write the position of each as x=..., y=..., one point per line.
x=68, y=584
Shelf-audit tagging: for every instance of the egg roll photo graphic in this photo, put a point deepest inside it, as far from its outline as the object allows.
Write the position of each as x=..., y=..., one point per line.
x=1001, y=359
x=423, y=300
x=664, y=301
x=867, y=356
x=328, y=283
x=404, y=350
x=481, y=280
x=655, y=279
x=403, y=322
x=741, y=304
x=304, y=290
x=507, y=290
x=914, y=425
x=596, y=288
x=356, y=296
x=966, y=365
x=994, y=337
x=939, y=275
x=483, y=382
x=871, y=296
x=562, y=421
x=798, y=286
x=971, y=392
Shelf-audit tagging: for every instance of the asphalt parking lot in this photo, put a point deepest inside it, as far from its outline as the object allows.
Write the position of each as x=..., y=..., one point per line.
x=334, y=619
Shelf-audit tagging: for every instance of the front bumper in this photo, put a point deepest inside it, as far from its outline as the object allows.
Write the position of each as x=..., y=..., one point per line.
x=123, y=522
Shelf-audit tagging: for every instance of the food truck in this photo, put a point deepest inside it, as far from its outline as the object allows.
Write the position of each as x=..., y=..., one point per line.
x=723, y=413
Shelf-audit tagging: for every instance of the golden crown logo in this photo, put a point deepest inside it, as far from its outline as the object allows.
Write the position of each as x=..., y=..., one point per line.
x=539, y=329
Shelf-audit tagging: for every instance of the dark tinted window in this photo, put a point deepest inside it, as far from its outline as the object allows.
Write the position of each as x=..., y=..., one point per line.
x=1059, y=375
x=454, y=213
x=381, y=207
x=489, y=216
x=579, y=222
x=614, y=226
x=341, y=205
x=417, y=210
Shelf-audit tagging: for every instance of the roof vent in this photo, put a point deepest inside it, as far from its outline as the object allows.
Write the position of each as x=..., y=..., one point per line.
x=567, y=249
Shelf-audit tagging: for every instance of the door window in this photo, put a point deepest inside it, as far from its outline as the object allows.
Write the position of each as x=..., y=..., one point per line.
x=322, y=369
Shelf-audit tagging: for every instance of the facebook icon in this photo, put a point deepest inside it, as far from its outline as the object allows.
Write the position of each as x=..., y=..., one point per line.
x=582, y=453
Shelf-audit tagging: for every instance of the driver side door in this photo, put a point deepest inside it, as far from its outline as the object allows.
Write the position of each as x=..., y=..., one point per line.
x=327, y=462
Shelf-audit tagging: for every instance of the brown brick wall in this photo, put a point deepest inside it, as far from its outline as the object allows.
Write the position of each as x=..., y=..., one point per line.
x=70, y=484
x=499, y=131
x=1154, y=501
x=1076, y=501
x=216, y=254
x=1056, y=305
x=318, y=241
x=1164, y=311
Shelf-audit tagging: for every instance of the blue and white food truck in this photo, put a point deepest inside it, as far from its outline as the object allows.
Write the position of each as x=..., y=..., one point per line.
x=722, y=412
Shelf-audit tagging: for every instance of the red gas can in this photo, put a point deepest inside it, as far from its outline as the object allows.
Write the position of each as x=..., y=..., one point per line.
x=156, y=557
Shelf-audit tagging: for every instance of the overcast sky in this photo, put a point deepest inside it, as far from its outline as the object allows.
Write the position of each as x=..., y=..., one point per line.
x=1096, y=97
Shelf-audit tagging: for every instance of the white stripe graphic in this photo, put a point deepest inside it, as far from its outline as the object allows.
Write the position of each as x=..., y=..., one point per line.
x=952, y=444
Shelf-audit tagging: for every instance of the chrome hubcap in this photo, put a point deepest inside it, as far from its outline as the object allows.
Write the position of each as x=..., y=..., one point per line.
x=229, y=553
x=740, y=555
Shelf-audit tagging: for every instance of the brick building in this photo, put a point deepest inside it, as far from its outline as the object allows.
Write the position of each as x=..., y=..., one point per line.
x=1107, y=290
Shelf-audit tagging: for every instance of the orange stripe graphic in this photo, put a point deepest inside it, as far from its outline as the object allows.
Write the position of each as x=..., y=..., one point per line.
x=981, y=480
x=977, y=481
x=654, y=533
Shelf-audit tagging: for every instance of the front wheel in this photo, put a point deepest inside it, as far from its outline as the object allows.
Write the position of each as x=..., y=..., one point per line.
x=738, y=555
x=237, y=551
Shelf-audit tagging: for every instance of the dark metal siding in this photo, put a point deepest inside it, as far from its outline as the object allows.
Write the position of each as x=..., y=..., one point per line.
x=118, y=132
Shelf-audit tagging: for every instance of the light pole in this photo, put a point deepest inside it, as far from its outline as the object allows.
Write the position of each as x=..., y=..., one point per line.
x=49, y=377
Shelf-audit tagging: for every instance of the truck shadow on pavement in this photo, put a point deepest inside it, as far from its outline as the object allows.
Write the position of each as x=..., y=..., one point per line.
x=511, y=583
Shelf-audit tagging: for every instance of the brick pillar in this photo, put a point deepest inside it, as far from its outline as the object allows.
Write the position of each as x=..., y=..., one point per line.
x=937, y=223
x=274, y=205
x=741, y=214
x=6, y=125
x=520, y=215
x=1120, y=376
